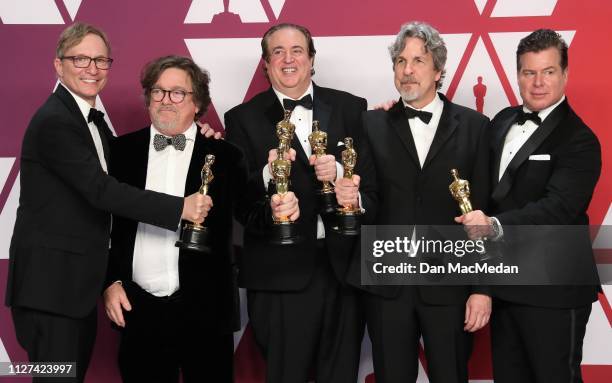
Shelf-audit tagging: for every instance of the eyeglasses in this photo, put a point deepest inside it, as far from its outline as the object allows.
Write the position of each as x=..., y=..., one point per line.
x=176, y=96
x=103, y=63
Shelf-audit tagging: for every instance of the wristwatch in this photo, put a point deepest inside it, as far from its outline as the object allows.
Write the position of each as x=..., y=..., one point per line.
x=494, y=222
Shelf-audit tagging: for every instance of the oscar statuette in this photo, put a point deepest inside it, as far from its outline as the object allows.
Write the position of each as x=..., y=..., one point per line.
x=194, y=235
x=326, y=195
x=460, y=190
x=348, y=216
x=283, y=229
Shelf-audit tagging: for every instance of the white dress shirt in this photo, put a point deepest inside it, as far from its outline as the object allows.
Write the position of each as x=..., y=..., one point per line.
x=422, y=133
x=155, y=263
x=84, y=107
x=519, y=134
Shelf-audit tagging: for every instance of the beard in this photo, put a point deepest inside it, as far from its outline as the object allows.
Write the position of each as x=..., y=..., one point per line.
x=165, y=126
x=409, y=96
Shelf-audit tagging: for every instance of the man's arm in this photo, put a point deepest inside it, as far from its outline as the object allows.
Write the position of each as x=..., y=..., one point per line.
x=63, y=150
x=567, y=194
x=568, y=190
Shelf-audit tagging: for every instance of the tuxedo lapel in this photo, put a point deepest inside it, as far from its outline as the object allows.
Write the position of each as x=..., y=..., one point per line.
x=498, y=142
x=399, y=122
x=322, y=112
x=71, y=104
x=194, y=178
x=105, y=136
x=139, y=158
x=104, y=131
x=446, y=127
x=536, y=139
x=273, y=109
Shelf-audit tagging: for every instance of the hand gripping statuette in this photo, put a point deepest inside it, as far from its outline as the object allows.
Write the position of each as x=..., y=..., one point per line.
x=348, y=216
x=194, y=235
x=283, y=229
x=326, y=195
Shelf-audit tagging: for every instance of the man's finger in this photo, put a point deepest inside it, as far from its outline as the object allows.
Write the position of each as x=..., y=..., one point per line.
x=125, y=303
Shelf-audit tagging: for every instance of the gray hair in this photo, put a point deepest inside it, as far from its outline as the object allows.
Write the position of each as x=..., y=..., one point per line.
x=431, y=39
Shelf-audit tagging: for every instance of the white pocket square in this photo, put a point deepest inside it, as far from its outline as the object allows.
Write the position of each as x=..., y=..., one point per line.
x=340, y=143
x=539, y=157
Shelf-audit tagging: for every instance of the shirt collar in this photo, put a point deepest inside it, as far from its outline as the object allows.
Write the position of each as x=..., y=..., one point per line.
x=83, y=105
x=546, y=111
x=281, y=96
x=435, y=105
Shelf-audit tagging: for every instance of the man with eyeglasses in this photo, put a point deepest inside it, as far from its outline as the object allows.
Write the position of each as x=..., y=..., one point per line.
x=175, y=307
x=59, y=249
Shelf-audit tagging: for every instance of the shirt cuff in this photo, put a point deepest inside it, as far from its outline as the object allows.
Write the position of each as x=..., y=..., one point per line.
x=266, y=176
x=360, y=204
x=500, y=234
x=339, y=170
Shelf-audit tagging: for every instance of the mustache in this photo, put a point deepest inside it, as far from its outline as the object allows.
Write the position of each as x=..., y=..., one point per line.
x=408, y=79
x=169, y=108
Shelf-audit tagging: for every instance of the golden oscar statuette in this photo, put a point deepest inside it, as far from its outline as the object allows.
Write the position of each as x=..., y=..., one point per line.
x=326, y=195
x=348, y=216
x=194, y=235
x=460, y=190
x=283, y=229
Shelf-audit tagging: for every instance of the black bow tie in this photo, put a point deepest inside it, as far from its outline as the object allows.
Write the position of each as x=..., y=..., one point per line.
x=522, y=117
x=161, y=142
x=96, y=116
x=305, y=101
x=412, y=113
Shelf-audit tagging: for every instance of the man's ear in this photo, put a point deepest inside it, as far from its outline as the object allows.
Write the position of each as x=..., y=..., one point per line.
x=57, y=63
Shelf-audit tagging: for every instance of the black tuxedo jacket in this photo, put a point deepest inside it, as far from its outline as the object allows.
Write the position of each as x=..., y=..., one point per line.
x=252, y=126
x=207, y=281
x=59, y=249
x=553, y=192
x=411, y=195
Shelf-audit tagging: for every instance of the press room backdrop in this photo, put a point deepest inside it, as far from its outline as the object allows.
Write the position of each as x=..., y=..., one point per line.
x=351, y=38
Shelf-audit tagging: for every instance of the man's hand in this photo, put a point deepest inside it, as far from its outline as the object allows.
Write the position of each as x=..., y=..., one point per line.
x=208, y=132
x=347, y=191
x=285, y=206
x=477, y=225
x=325, y=167
x=477, y=312
x=115, y=301
x=272, y=156
x=385, y=105
x=196, y=207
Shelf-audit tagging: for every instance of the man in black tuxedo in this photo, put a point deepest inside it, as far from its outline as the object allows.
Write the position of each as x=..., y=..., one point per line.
x=414, y=146
x=546, y=163
x=175, y=307
x=304, y=318
x=58, y=252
